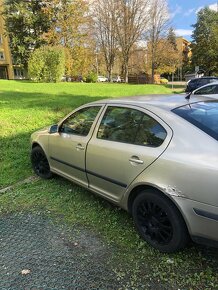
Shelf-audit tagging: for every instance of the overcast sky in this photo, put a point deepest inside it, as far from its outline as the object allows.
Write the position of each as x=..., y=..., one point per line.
x=183, y=14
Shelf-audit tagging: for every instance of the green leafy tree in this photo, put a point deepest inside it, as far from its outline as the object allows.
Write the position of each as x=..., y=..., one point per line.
x=46, y=64
x=25, y=22
x=205, y=41
x=70, y=29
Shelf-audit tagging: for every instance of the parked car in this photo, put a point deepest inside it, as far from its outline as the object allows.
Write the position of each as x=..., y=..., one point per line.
x=66, y=79
x=102, y=79
x=116, y=79
x=163, y=81
x=209, y=90
x=193, y=84
x=154, y=156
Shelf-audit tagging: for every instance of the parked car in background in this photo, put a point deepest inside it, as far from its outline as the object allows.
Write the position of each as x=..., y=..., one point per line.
x=154, y=156
x=66, y=79
x=102, y=79
x=196, y=83
x=163, y=81
x=116, y=79
x=209, y=90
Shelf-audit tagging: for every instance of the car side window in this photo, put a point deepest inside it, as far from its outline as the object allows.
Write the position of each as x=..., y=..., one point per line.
x=216, y=89
x=80, y=122
x=207, y=90
x=131, y=126
x=150, y=133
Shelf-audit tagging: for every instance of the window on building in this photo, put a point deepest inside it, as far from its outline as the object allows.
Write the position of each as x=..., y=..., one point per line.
x=2, y=56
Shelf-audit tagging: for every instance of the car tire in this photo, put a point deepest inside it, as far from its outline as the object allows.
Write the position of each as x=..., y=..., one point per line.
x=159, y=222
x=40, y=163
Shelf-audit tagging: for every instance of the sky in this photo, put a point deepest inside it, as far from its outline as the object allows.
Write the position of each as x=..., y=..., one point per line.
x=184, y=14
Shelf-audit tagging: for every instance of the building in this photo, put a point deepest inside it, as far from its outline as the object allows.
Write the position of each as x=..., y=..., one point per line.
x=6, y=67
x=183, y=46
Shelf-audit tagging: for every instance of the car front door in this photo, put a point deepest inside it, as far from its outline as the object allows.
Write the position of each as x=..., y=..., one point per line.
x=125, y=142
x=67, y=148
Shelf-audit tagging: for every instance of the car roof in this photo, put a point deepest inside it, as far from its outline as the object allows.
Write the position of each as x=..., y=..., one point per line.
x=195, y=79
x=166, y=102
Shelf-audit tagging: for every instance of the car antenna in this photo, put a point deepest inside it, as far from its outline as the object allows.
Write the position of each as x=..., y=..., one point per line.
x=188, y=96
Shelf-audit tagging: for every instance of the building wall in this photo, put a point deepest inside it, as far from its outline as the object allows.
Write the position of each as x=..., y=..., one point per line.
x=6, y=68
x=183, y=46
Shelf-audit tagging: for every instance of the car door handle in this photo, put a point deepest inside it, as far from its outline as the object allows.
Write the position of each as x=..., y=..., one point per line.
x=135, y=159
x=80, y=147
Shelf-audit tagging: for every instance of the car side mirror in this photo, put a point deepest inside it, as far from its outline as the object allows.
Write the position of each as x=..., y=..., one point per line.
x=53, y=129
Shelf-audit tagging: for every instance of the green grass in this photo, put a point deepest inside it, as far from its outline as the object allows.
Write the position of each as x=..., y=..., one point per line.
x=26, y=107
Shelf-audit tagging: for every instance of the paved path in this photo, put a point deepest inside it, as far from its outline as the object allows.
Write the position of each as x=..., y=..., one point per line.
x=38, y=254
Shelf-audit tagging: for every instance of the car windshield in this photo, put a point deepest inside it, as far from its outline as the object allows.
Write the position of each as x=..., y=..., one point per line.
x=203, y=115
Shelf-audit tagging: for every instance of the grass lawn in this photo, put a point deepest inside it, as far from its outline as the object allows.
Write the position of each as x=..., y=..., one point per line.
x=26, y=107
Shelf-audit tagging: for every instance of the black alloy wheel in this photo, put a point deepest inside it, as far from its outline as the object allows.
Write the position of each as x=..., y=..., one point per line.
x=159, y=222
x=40, y=163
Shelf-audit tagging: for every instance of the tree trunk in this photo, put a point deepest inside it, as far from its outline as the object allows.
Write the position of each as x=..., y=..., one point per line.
x=126, y=69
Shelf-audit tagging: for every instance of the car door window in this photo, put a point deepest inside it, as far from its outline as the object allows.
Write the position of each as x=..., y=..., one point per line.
x=80, y=122
x=216, y=89
x=128, y=125
x=207, y=90
x=150, y=133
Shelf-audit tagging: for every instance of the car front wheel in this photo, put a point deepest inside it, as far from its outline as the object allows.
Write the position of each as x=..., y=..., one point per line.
x=159, y=222
x=40, y=163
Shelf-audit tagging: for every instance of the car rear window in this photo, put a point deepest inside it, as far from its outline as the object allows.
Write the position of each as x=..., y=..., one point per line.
x=203, y=115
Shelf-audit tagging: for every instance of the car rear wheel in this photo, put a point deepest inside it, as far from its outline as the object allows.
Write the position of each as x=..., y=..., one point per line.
x=40, y=163
x=159, y=222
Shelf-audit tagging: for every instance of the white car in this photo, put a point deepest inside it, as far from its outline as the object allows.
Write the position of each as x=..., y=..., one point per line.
x=102, y=79
x=209, y=90
x=116, y=79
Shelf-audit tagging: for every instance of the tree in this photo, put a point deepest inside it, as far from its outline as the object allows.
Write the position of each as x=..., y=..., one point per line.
x=130, y=18
x=205, y=41
x=25, y=22
x=106, y=33
x=171, y=37
x=46, y=64
x=157, y=31
x=168, y=58
x=70, y=29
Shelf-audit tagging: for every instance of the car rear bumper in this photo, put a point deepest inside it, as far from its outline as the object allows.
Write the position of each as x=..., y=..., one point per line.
x=201, y=220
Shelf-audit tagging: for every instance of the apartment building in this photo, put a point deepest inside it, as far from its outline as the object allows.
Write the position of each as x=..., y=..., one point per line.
x=6, y=67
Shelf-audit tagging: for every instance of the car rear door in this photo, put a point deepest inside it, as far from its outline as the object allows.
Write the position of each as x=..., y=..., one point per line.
x=125, y=142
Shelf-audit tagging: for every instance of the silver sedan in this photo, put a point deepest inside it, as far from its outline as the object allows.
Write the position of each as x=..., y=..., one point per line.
x=154, y=156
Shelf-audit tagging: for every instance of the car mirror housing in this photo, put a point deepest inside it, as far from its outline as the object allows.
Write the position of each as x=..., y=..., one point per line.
x=53, y=129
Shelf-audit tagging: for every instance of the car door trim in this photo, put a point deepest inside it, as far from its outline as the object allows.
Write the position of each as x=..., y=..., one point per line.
x=90, y=172
x=107, y=179
x=68, y=164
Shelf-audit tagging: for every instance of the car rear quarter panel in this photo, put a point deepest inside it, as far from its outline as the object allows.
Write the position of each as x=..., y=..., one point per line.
x=188, y=168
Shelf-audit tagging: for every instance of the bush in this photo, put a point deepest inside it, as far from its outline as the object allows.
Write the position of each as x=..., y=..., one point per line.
x=91, y=77
x=46, y=64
